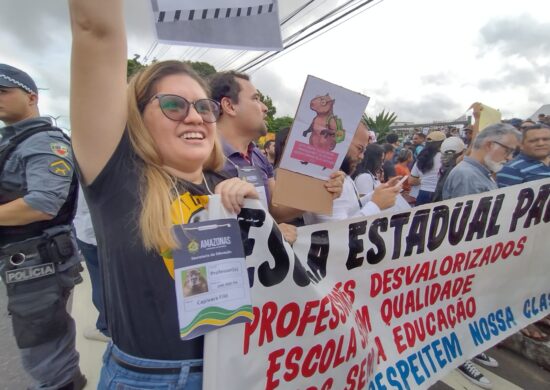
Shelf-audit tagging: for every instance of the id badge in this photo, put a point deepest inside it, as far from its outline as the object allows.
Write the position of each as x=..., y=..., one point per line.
x=253, y=175
x=211, y=278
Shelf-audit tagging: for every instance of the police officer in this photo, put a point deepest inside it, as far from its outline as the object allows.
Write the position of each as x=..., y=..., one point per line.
x=38, y=257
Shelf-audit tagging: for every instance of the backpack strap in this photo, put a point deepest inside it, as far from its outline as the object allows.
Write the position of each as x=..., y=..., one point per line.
x=7, y=149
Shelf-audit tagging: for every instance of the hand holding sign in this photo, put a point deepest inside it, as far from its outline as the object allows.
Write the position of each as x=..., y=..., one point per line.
x=485, y=115
x=335, y=184
x=233, y=191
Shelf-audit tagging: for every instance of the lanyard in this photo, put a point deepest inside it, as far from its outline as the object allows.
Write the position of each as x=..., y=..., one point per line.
x=357, y=194
x=236, y=166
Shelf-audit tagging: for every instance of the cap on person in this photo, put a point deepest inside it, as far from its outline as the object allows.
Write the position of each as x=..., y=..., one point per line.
x=452, y=145
x=11, y=77
x=516, y=122
x=436, y=136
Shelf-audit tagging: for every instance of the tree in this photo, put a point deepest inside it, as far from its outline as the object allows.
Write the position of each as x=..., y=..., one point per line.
x=204, y=69
x=381, y=123
x=280, y=123
x=271, y=110
x=133, y=66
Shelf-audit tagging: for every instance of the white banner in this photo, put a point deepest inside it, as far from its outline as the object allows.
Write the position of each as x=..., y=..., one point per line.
x=394, y=301
x=237, y=24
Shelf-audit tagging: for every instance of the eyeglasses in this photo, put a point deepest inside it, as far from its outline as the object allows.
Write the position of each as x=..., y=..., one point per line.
x=176, y=108
x=508, y=149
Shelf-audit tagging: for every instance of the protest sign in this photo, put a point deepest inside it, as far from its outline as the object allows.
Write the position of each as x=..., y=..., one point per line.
x=238, y=24
x=393, y=301
x=321, y=133
x=322, y=130
x=488, y=116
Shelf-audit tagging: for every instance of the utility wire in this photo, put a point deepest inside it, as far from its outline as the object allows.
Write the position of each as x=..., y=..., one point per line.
x=295, y=12
x=162, y=52
x=150, y=51
x=203, y=54
x=307, y=13
x=283, y=22
x=230, y=59
x=324, y=32
x=262, y=56
x=255, y=64
x=187, y=55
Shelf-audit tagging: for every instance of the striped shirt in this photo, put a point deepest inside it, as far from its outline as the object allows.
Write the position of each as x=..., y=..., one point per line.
x=522, y=169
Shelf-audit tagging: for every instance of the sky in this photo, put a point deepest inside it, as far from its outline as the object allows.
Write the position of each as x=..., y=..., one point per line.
x=425, y=60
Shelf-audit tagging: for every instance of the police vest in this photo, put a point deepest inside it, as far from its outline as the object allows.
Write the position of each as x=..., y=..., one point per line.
x=10, y=234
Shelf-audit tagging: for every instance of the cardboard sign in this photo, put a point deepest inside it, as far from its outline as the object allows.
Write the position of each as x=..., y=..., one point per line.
x=318, y=141
x=488, y=116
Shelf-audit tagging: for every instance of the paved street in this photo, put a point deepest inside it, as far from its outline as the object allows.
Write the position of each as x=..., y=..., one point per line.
x=513, y=373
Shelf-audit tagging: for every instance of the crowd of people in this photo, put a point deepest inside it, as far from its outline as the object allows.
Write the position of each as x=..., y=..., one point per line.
x=165, y=140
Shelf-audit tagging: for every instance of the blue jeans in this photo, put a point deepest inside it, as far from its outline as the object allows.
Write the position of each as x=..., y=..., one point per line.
x=91, y=257
x=115, y=377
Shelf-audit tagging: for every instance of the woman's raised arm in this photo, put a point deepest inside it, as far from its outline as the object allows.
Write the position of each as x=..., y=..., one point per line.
x=98, y=82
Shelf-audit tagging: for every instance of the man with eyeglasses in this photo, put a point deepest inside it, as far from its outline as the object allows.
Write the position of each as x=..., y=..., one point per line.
x=490, y=150
x=350, y=204
x=242, y=120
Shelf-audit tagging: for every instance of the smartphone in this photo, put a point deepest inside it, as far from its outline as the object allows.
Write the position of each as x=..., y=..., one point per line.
x=400, y=182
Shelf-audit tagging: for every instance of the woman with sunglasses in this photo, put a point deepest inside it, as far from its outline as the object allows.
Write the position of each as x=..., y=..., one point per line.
x=147, y=155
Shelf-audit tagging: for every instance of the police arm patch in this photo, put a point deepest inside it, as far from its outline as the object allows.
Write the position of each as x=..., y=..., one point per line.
x=60, y=149
x=60, y=168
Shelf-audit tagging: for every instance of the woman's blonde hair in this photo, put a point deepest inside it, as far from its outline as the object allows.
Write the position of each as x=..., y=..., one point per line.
x=155, y=221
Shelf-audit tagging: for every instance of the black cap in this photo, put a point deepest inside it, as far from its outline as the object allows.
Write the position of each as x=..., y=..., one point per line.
x=15, y=78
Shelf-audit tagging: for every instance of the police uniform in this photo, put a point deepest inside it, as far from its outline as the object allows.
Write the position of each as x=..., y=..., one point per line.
x=40, y=259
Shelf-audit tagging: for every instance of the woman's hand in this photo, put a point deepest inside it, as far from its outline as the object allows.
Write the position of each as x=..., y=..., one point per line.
x=233, y=191
x=476, y=109
x=335, y=184
x=289, y=232
x=384, y=195
x=414, y=181
x=98, y=82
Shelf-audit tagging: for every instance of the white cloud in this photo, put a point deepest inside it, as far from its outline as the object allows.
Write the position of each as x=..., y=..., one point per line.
x=425, y=60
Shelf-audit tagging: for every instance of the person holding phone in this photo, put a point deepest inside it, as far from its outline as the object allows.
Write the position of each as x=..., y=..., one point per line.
x=350, y=203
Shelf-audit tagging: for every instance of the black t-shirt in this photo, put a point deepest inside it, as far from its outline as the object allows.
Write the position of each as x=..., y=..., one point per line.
x=389, y=170
x=139, y=292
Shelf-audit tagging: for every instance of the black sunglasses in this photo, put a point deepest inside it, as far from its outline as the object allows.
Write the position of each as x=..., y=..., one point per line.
x=176, y=108
x=508, y=149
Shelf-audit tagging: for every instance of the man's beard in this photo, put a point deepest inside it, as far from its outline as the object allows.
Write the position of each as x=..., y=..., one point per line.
x=347, y=166
x=492, y=165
